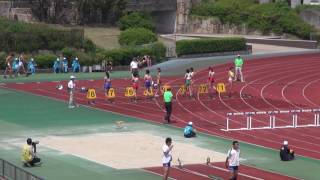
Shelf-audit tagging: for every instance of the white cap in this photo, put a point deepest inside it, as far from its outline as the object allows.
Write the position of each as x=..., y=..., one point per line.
x=238, y=55
x=72, y=77
x=64, y=58
x=76, y=58
x=32, y=59
x=58, y=59
x=190, y=123
x=285, y=143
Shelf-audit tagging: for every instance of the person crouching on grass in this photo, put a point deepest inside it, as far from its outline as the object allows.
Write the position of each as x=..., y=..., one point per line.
x=189, y=132
x=167, y=157
x=286, y=154
x=28, y=156
x=233, y=160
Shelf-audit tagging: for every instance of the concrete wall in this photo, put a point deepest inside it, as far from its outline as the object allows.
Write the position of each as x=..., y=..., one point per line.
x=312, y=17
x=4, y=8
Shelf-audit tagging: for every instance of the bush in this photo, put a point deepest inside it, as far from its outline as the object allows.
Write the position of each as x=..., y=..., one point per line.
x=199, y=46
x=123, y=56
x=68, y=52
x=136, y=20
x=269, y=17
x=45, y=60
x=24, y=37
x=136, y=36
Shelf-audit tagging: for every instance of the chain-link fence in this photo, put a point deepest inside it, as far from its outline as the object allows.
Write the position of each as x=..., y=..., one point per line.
x=12, y=172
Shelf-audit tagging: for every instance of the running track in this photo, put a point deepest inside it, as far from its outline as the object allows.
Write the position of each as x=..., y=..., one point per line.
x=279, y=83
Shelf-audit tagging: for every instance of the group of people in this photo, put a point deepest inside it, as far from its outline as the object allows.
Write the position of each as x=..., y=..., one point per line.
x=16, y=66
x=62, y=65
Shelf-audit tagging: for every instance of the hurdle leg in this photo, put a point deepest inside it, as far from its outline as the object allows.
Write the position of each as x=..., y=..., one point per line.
x=273, y=121
x=228, y=123
x=270, y=122
x=250, y=122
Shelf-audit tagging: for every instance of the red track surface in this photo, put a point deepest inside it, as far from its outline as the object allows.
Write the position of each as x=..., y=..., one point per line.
x=279, y=83
x=202, y=172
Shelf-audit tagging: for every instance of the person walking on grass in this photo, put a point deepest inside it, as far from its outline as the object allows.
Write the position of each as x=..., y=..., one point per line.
x=71, y=89
x=238, y=63
x=167, y=97
x=233, y=160
x=167, y=157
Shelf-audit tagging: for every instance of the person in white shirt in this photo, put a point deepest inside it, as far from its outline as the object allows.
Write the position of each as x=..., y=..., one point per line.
x=71, y=88
x=167, y=157
x=233, y=160
x=134, y=67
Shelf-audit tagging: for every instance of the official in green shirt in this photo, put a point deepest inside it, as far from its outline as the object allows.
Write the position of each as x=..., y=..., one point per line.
x=238, y=63
x=167, y=97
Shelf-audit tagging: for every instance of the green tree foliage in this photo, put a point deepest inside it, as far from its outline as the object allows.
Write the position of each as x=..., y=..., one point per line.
x=136, y=36
x=270, y=17
x=136, y=20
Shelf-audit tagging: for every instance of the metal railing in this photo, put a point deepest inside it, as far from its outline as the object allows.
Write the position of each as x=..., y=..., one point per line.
x=10, y=171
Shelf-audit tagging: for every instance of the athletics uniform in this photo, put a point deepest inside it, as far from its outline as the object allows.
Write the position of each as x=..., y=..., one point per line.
x=167, y=157
x=211, y=77
x=231, y=76
x=107, y=84
x=135, y=83
x=147, y=81
x=188, y=78
x=233, y=159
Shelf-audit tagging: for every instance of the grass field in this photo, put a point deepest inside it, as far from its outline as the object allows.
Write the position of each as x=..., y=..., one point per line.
x=103, y=37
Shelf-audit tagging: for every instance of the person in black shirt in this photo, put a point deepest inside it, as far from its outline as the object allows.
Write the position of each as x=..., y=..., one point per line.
x=286, y=154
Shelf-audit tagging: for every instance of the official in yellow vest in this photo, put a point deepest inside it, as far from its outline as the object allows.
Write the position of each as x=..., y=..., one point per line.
x=28, y=155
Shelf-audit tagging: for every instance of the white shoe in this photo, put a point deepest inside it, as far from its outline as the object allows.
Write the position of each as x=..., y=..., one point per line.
x=71, y=107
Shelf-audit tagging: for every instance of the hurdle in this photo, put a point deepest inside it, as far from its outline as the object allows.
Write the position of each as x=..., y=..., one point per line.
x=271, y=124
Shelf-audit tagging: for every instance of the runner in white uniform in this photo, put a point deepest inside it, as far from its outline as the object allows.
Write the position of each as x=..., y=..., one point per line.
x=167, y=157
x=233, y=160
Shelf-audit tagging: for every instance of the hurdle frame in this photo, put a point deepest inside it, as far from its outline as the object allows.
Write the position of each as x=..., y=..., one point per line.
x=272, y=119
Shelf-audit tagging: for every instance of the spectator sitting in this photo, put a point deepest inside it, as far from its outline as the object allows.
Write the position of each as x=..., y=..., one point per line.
x=286, y=154
x=189, y=132
x=65, y=65
x=56, y=66
x=32, y=66
x=75, y=65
